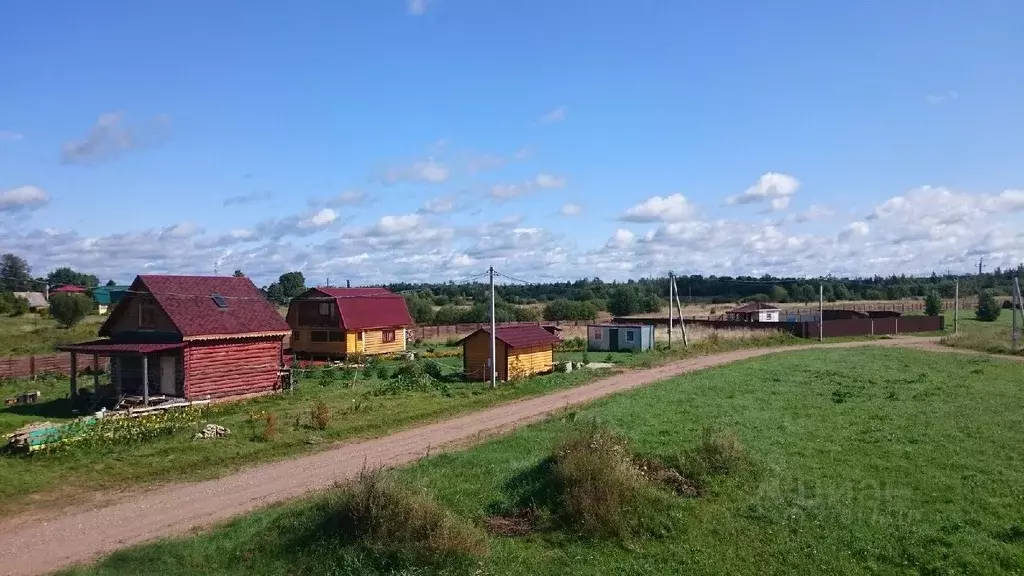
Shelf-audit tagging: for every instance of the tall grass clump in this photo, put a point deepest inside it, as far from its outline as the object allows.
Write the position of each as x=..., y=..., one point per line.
x=599, y=492
x=716, y=453
x=400, y=526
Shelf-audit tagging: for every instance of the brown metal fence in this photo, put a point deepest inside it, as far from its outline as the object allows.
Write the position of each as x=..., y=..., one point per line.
x=60, y=363
x=871, y=326
x=458, y=330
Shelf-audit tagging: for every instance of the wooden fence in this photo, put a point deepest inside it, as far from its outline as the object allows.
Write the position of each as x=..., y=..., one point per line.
x=60, y=363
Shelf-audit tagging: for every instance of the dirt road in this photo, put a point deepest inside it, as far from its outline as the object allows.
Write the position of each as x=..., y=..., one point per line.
x=40, y=545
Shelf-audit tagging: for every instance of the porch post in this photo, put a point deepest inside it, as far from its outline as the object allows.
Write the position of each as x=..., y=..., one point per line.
x=95, y=373
x=145, y=380
x=74, y=375
x=117, y=376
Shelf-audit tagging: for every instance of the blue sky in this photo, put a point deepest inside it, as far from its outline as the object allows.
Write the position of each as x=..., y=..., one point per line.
x=387, y=139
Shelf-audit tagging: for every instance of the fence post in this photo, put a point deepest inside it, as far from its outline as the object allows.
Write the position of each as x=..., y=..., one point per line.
x=897, y=326
x=32, y=366
x=872, y=326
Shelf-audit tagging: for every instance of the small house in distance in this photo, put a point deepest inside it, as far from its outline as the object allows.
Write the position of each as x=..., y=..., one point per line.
x=521, y=350
x=36, y=300
x=107, y=297
x=191, y=338
x=754, y=312
x=337, y=322
x=615, y=337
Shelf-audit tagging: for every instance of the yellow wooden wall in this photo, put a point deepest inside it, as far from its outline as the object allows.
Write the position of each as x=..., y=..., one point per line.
x=528, y=361
x=373, y=342
x=306, y=345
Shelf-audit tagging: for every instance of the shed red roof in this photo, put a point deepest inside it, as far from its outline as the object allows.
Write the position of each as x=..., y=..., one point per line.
x=103, y=347
x=521, y=335
x=68, y=288
x=189, y=303
x=754, y=307
x=364, y=308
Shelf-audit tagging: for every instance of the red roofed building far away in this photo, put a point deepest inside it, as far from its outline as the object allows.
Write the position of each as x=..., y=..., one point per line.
x=339, y=322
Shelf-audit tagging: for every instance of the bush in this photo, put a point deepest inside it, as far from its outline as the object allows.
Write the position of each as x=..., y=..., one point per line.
x=598, y=491
x=988, y=310
x=402, y=526
x=320, y=415
x=70, y=309
x=932, y=304
x=717, y=453
x=13, y=305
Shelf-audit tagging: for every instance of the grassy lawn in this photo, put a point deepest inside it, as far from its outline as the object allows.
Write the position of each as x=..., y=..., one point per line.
x=866, y=461
x=34, y=334
x=361, y=408
x=992, y=337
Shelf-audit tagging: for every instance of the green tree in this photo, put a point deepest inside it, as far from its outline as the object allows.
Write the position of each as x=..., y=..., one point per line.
x=14, y=274
x=624, y=301
x=447, y=315
x=111, y=282
x=70, y=309
x=239, y=274
x=66, y=276
x=292, y=284
x=274, y=294
x=932, y=304
x=778, y=294
x=422, y=310
x=988, y=310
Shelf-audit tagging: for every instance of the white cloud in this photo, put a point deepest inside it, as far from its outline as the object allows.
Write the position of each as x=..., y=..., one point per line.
x=505, y=191
x=438, y=205
x=523, y=153
x=10, y=136
x=23, y=198
x=347, y=198
x=547, y=181
x=570, y=209
x=852, y=229
x=942, y=97
x=621, y=238
x=397, y=224
x=429, y=171
x=110, y=137
x=556, y=115
x=814, y=213
x=321, y=218
x=772, y=187
x=656, y=208
x=416, y=7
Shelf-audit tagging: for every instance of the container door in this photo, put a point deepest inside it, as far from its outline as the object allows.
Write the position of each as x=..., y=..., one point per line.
x=168, y=380
x=613, y=339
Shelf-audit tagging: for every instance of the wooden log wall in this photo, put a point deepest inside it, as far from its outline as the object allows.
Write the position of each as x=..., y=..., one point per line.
x=228, y=368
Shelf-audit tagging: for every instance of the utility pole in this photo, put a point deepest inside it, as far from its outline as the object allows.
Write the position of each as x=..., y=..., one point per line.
x=682, y=325
x=494, y=332
x=956, y=307
x=671, y=284
x=981, y=263
x=1016, y=306
x=821, y=312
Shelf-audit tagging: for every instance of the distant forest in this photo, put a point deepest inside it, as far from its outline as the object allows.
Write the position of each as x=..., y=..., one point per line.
x=583, y=299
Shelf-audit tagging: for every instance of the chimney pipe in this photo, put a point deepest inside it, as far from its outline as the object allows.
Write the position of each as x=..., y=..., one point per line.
x=348, y=283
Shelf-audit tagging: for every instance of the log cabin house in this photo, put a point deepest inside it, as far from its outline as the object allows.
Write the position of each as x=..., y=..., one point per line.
x=338, y=322
x=521, y=350
x=191, y=338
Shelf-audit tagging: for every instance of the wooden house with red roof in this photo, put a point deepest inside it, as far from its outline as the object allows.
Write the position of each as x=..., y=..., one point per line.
x=191, y=337
x=521, y=350
x=338, y=322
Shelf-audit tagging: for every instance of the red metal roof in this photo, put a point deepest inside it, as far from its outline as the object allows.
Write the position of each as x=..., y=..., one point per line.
x=104, y=347
x=69, y=289
x=364, y=308
x=189, y=304
x=521, y=336
x=754, y=307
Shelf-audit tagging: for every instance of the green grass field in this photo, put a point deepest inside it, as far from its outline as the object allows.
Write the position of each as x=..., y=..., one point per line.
x=34, y=334
x=864, y=461
x=992, y=337
x=359, y=409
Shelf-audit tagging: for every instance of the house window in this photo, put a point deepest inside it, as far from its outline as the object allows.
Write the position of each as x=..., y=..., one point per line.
x=336, y=336
x=597, y=334
x=295, y=336
x=629, y=335
x=360, y=337
x=319, y=336
x=387, y=336
x=325, y=308
x=147, y=313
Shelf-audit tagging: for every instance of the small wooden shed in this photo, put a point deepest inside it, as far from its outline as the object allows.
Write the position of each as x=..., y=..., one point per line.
x=521, y=350
x=615, y=337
